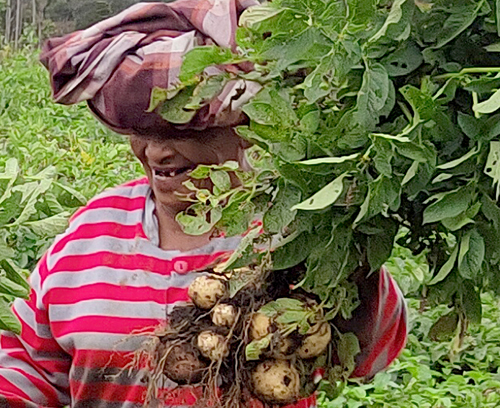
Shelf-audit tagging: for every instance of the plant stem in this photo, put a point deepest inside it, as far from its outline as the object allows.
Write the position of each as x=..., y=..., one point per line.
x=479, y=70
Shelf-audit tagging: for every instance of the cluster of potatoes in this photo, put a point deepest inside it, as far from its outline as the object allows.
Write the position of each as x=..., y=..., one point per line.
x=275, y=379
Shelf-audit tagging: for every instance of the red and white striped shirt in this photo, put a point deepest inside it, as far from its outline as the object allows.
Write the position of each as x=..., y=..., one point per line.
x=106, y=278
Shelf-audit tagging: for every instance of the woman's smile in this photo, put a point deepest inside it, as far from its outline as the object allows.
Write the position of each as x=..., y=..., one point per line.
x=168, y=162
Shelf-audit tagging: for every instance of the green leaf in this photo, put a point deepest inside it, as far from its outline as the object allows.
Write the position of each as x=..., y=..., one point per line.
x=255, y=348
x=196, y=60
x=200, y=172
x=497, y=15
x=347, y=350
x=471, y=254
x=245, y=243
x=457, y=222
x=471, y=302
x=383, y=194
x=13, y=273
x=286, y=304
x=448, y=204
x=240, y=278
x=470, y=125
x=160, y=95
x=293, y=252
x=310, y=121
x=262, y=113
x=361, y=12
x=8, y=287
x=490, y=105
x=384, y=154
x=174, y=110
x=308, y=45
x=221, y=180
x=33, y=196
x=6, y=251
x=74, y=193
x=373, y=94
x=50, y=226
x=403, y=60
x=446, y=268
x=492, y=168
x=206, y=90
x=329, y=160
x=445, y=327
x=460, y=160
x=201, y=221
x=8, y=321
x=271, y=108
x=491, y=211
x=324, y=197
x=257, y=14
x=10, y=174
x=429, y=110
x=394, y=17
x=457, y=22
x=380, y=246
x=412, y=171
x=280, y=214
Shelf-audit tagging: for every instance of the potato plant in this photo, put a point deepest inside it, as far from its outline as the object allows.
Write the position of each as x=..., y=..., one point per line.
x=428, y=374
x=375, y=117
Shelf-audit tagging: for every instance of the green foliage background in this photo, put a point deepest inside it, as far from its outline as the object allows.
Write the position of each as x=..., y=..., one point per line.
x=85, y=159
x=52, y=160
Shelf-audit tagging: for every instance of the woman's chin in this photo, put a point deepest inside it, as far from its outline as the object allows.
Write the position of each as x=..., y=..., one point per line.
x=170, y=201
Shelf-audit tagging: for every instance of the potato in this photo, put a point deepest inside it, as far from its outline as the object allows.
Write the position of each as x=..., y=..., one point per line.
x=205, y=291
x=224, y=315
x=276, y=381
x=260, y=326
x=182, y=364
x=316, y=343
x=212, y=345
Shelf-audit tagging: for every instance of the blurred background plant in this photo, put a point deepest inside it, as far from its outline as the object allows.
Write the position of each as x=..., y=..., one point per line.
x=52, y=160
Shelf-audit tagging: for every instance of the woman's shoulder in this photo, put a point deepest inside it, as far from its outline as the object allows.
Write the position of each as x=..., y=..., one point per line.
x=107, y=213
x=130, y=196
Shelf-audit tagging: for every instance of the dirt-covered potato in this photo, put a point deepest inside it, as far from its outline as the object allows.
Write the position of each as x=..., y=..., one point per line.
x=260, y=326
x=212, y=345
x=182, y=364
x=284, y=348
x=276, y=381
x=224, y=315
x=206, y=290
x=316, y=343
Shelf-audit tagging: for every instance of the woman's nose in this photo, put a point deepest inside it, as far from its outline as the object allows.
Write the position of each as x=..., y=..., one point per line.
x=158, y=152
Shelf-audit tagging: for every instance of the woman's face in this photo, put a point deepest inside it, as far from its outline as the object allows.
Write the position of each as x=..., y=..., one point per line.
x=167, y=162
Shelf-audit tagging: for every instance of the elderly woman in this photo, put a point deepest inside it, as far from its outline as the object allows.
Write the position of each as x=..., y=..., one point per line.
x=124, y=262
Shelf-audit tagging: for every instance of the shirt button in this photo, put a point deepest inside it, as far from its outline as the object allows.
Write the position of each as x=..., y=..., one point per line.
x=180, y=266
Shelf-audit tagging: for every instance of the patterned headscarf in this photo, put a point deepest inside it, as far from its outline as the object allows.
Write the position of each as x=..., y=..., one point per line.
x=115, y=64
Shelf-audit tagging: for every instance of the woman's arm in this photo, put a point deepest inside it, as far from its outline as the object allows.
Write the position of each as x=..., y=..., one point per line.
x=33, y=367
x=379, y=322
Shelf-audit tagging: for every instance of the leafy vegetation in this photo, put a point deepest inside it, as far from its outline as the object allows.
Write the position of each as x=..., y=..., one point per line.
x=377, y=116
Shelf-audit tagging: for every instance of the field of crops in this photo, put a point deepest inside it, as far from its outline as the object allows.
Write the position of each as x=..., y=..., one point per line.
x=53, y=158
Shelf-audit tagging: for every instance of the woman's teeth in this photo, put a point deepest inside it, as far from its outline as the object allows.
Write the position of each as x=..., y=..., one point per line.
x=171, y=173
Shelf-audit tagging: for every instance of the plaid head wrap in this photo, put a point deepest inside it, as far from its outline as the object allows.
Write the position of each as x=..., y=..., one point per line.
x=115, y=64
